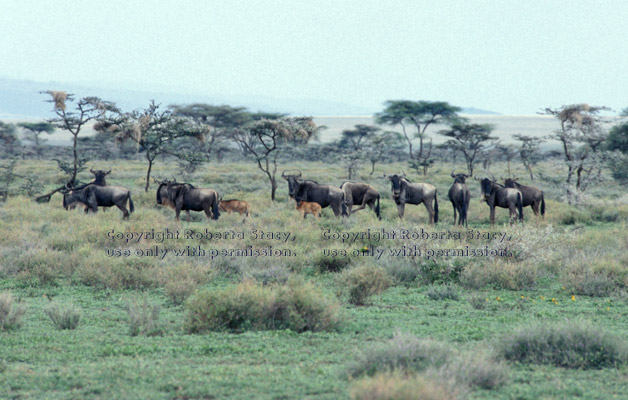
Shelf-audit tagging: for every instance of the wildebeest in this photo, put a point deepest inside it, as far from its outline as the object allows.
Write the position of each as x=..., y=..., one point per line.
x=532, y=196
x=309, y=207
x=460, y=196
x=324, y=195
x=186, y=197
x=405, y=192
x=94, y=196
x=362, y=194
x=497, y=195
x=234, y=205
x=99, y=177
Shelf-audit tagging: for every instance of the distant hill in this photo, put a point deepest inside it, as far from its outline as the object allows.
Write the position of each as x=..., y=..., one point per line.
x=21, y=99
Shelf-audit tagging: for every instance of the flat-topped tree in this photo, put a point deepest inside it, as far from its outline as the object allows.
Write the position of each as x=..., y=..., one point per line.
x=529, y=151
x=153, y=130
x=74, y=118
x=582, y=136
x=266, y=138
x=470, y=140
x=8, y=139
x=420, y=115
x=33, y=131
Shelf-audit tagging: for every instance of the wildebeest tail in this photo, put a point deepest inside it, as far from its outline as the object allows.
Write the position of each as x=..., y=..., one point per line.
x=542, y=205
x=520, y=206
x=377, y=211
x=435, y=207
x=65, y=204
x=131, y=206
x=215, y=211
x=344, y=210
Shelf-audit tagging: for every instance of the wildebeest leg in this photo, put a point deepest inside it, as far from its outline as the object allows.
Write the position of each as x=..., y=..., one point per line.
x=512, y=212
x=535, y=208
x=400, y=210
x=125, y=212
x=177, y=213
x=492, y=215
x=335, y=208
x=454, y=206
x=208, y=213
x=430, y=211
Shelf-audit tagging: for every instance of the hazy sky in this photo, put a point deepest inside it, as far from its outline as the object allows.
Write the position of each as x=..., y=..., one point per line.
x=506, y=56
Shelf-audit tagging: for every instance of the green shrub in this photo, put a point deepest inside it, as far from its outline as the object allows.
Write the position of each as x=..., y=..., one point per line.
x=144, y=319
x=325, y=263
x=569, y=345
x=115, y=273
x=67, y=317
x=441, y=272
x=179, y=290
x=10, y=314
x=478, y=301
x=365, y=281
x=596, y=276
x=268, y=274
x=403, y=272
x=445, y=292
x=396, y=386
x=298, y=306
x=403, y=352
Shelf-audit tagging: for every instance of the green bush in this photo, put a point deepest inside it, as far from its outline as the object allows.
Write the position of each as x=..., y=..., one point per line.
x=403, y=352
x=500, y=275
x=10, y=314
x=67, y=317
x=403, y=272
x=325, y=263
x=569, y=345
x=446, y=292
x=298, y=306
x=476, y=370
x=364, y=281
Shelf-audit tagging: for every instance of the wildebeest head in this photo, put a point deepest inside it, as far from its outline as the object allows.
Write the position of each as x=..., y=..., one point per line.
x=510, y=182
x=292, y=182
x=300, y=191
x=486, y=185
x=395, y=183
x=459, y=178
x=99, y=176
x=166, y=192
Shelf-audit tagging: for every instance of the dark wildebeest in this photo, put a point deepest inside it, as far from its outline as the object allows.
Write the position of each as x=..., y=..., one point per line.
x=186, y=197
x=460, y=197
x=94, y=196
x=404, y=191
x=497, y=195
x=99, y=177
x=362, y=194
x=324, y=195
x=532, y=196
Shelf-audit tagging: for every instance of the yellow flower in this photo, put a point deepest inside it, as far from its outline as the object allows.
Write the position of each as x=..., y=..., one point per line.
x=608, y=308
x=542, y=298
x=497, y=298
x=573, y=298
x=522, y=297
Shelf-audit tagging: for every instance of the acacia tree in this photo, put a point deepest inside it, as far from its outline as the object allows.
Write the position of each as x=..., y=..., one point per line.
x=33, y=131
x=529, y=151
x=470, y=140
x=153, y=130
x=265, y=139
x=8, y=139
x=73, y=121
x=420, y=115
x=582, y=138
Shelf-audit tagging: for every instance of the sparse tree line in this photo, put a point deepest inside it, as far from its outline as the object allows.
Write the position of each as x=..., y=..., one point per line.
x=195, y=134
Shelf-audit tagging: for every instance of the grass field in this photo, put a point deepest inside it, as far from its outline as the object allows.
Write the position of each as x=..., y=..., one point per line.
x=570, y=267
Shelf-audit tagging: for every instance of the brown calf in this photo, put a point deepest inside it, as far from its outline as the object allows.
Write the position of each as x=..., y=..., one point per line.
x=306, y=207
x=234, y=205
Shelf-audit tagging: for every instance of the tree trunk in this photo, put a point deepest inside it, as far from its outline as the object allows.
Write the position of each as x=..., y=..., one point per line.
x=75, y=171
x=150, y=167
x=273, y=188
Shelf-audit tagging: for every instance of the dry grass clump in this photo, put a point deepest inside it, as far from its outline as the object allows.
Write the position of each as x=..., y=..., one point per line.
x=364, y=281
x=568, y=345
x=66, y=317
x=475, y=369
x=10, y=314
x=500, y=274
x=144, y=319
x=117, y=273
x=591, y=276
x=298, y=306
x=444, y=292
x=403, y=352
x=398, y=386
x=181, y=280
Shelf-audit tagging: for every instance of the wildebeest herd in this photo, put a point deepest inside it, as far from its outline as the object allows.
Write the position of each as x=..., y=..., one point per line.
x=311, y=197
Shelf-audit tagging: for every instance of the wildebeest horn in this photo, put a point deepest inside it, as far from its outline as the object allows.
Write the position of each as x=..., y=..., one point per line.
x=108, y=172
x=452, y=173
x=92, y=170
x=476, y=178
x=403, y=173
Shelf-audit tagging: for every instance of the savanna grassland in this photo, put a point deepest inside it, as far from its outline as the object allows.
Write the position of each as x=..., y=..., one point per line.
x=548, y=322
